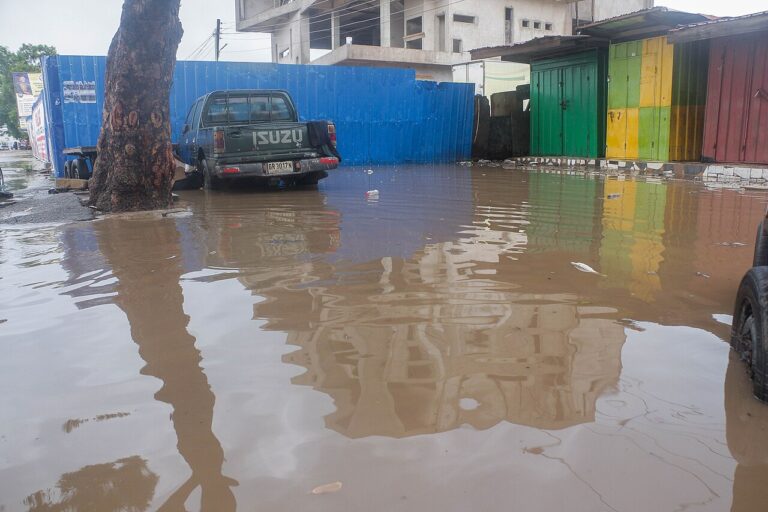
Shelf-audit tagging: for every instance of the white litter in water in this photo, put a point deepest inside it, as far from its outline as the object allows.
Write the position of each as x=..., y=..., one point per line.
x=469, y=404
x=723, y=319
x=732, y=244
x=585, y=268
x=372, y=194
x=369, y=171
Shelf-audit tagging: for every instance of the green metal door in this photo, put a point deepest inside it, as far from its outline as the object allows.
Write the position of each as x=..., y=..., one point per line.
x=567, y=112
x=654, y=126
x=546, y=114
x=624, y=66
x=579, y=105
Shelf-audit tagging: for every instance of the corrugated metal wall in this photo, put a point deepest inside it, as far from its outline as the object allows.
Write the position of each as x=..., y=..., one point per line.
x=654, y=96
x=383, y=116
x=736, y=128
x=568, y=105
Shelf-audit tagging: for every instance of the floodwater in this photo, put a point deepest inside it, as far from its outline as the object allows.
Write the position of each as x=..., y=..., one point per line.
x=434, y=349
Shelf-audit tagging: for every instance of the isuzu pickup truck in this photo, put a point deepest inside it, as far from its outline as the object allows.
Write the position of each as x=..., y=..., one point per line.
x=256, y=134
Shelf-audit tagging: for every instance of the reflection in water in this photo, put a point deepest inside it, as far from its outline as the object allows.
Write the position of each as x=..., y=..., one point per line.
x=145, y=258
x=126, y=484
x=746, y=432
x=425, y=312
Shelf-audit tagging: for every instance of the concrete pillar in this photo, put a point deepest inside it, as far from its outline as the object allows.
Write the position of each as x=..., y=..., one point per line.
x=303, y=40
x=335, y=30
x=385, y=23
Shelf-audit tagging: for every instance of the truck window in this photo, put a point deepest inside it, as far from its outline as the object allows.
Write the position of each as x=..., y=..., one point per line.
x=280, y=110
x=259, y=108
x=216, y=113
x=238, y=111
x=196, y=115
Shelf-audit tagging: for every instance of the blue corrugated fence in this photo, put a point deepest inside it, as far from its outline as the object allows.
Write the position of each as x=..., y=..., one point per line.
x=383, y=116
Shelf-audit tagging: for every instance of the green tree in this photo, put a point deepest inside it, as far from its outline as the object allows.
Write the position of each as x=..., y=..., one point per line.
x=27, y=58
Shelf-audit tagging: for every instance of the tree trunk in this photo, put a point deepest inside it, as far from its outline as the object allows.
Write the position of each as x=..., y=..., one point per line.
x=134, y=168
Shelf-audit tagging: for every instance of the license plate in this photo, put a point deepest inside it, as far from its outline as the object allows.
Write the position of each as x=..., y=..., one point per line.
x=279, y=167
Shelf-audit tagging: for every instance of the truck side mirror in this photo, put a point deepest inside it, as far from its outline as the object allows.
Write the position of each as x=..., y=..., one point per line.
x=186, y=128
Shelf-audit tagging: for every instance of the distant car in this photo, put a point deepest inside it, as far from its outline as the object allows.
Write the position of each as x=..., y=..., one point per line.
x=749, y=332
x=4, y=146
x=255, y=134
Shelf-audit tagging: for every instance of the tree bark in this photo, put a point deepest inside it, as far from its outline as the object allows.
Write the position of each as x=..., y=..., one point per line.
x=134, y=167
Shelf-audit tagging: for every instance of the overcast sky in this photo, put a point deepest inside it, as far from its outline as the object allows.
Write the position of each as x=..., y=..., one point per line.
x=86, y=27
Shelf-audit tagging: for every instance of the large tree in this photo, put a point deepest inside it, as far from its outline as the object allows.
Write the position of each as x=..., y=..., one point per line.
x=27, y=58
x=134, y=167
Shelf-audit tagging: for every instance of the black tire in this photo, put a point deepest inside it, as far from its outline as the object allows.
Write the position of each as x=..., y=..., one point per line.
x=749, y=334
x=68, y=171
x=210, y=182
x=80, y=169
x=761, y=247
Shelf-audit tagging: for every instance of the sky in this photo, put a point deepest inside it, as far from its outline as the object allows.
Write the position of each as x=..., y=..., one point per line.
x=86, y=27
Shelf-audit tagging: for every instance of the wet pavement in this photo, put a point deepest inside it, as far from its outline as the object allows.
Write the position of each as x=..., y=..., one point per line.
x=433, y=349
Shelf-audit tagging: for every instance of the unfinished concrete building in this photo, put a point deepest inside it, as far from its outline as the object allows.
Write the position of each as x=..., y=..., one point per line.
x=429, y=36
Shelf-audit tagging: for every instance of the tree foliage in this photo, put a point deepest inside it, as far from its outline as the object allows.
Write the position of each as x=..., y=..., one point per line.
x=26, y=58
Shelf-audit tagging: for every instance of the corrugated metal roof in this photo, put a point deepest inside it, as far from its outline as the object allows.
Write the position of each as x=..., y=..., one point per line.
x=720, y=27
x=538, y=48
x=641, y=24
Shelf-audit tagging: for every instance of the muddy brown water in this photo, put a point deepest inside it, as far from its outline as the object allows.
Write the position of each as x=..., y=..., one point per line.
x=431, y=350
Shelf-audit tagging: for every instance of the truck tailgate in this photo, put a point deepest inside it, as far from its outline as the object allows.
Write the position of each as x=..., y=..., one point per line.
x=274, y=138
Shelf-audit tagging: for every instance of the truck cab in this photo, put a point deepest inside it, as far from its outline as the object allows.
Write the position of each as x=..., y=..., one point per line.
x=253, y=133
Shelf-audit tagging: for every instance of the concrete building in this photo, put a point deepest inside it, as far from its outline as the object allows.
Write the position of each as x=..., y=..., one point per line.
x=429, y=36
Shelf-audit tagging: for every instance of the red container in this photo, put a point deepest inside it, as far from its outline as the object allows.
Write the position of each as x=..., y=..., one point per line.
x=736, y=118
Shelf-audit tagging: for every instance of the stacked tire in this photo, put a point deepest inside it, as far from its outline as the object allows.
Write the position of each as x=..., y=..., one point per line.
x=749, y=335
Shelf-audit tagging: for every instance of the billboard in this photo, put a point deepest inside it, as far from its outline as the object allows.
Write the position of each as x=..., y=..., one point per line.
x=36, y=130
x=27, y=87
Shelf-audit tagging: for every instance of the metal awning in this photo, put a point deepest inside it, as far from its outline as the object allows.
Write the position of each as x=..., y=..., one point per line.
x=652, y=22
x=539, y=48
x=739, y=25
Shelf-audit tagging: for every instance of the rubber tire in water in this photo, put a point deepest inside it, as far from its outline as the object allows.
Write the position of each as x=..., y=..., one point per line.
x=749, y=334
x=210, y=182
x=80, y=169
x=761, y=248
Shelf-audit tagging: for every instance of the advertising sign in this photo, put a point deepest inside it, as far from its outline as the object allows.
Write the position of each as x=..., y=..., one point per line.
x=36, y=130
x=27, y=87
x=79, y=91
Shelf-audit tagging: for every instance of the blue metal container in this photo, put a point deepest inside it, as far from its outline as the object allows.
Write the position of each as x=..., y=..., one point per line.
x=382, y=116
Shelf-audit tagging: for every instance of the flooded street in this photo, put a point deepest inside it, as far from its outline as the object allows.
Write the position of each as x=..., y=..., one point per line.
x=433, y=349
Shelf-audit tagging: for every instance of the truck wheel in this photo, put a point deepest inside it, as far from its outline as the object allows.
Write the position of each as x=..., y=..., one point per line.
x=210, y=182
x=312, y=179
x=749, y=335
x=68, y=169
x=80, y=169
x=761, y=248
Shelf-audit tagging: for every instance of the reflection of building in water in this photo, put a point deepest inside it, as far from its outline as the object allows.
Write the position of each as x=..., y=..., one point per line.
x=633, y=228
x=456, y=334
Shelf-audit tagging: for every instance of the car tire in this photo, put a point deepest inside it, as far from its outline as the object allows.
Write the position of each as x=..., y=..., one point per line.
x=210, y=182
x=749, y=334
x=80, y=169
x=761, y=248
x=313, y=178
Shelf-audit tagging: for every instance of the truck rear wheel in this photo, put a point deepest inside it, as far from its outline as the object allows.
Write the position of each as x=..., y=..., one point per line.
x=749, y=334
x=68, y=171
x=210, y=182
x=80, y=169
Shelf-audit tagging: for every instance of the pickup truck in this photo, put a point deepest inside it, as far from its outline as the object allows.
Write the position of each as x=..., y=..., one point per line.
x=256, y=134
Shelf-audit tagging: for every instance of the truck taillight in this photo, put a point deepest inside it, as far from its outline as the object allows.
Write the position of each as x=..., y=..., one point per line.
x=218, y=141
x=332, y=133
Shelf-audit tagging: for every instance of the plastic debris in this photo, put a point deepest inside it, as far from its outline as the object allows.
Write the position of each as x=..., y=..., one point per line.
x=327, y=488
x=372, y=194
x=702, y=274
x=369, y=171
x=583, y=267
x=732, y=244
x=613, y=196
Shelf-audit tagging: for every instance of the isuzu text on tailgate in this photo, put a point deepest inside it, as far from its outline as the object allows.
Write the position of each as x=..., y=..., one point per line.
x=255, y=134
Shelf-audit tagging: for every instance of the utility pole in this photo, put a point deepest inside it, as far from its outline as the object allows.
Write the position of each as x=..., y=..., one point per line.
x=217, y=35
